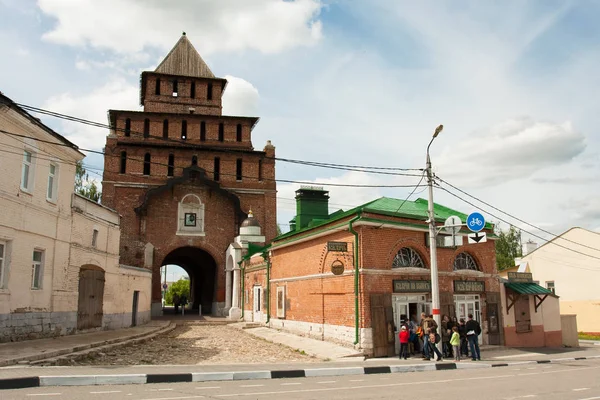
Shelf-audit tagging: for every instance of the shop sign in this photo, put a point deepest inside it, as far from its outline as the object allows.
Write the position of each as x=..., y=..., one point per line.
x=401, y=286
x=337, y=246
x=520, y=277
x=469, y=287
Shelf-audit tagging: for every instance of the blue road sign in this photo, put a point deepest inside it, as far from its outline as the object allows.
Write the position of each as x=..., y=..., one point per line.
x=475, y=222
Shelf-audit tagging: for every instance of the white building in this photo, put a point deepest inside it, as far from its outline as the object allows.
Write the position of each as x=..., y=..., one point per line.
x=59, y=270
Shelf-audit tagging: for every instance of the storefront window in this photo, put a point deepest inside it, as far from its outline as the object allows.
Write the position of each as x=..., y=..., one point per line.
x=465, y=261
x=408, y=258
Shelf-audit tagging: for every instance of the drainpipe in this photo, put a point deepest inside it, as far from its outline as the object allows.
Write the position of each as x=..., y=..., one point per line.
x=356, y=323
x=268, y=258
x=243, y=278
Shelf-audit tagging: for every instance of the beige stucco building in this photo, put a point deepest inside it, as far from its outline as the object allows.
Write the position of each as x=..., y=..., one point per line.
x=59, y=268
x=570, y=265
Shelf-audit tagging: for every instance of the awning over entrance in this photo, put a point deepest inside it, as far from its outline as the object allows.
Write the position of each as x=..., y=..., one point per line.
x=527, y=288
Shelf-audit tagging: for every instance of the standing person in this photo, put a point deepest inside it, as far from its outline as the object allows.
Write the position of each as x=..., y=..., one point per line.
x=403, y=335
x=462, y=331
x=176, y=302
x=455, y=343
x=434, y=339
x=446, y=330
x=473, y=331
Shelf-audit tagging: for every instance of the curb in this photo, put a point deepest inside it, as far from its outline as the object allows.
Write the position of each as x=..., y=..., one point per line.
x=129, y=379
x=94, y=346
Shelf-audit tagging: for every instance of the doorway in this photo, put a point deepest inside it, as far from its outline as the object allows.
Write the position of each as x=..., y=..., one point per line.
x=257, y=313
x=134, y=308
x=468, y=304
x=407, y=306
x=91, y=298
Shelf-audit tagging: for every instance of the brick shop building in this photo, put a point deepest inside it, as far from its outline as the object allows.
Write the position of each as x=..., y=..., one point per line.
x=184, y=177
x=351, y=276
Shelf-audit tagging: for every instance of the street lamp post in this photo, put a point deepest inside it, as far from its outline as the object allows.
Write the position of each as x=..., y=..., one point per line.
x=435, y=288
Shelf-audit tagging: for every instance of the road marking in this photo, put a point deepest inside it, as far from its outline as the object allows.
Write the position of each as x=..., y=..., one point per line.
x=356, y=380
x=251, y=385
x=209, y=387
x=290, y=384
x=521, y=355
x=529, y=395
x=176, y=398
x=106, y=391
x=327, y=382
x=159, y=390
x=44, y=394
x=580, y=389
x=591, y=398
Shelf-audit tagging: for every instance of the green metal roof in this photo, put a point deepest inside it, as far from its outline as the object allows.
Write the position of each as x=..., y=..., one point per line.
x=527, y=288
x=391, y=207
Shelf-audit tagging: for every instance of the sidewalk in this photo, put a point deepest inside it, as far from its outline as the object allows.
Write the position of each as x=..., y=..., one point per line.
x=32, y=350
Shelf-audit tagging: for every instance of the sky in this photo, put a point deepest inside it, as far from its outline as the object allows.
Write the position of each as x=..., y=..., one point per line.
x=514, y=83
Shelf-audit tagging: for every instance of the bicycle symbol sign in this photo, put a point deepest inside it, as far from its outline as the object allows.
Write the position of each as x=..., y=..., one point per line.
x=475, y=222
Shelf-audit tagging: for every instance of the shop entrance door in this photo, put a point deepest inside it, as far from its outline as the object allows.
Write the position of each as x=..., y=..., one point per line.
x=405, y=307
x=468, y=304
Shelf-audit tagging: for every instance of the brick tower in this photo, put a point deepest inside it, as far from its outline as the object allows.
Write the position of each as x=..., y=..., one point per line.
x=184, y=177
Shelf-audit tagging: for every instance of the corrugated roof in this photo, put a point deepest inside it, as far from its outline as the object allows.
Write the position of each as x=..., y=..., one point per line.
x=527, y=288
x=184, y=60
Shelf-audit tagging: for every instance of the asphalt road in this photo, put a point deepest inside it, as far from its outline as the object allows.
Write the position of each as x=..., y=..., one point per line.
x=579, y=380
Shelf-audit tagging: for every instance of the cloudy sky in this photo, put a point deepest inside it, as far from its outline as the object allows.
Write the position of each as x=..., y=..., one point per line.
x=353, y=82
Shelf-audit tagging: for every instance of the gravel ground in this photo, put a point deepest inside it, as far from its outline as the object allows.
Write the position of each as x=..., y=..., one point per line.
x=199, y=344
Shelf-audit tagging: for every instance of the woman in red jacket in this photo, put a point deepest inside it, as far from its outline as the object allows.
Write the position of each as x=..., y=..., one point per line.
x=404, y=335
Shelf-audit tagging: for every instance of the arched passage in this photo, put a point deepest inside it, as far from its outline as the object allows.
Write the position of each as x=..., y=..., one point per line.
x=201, y=268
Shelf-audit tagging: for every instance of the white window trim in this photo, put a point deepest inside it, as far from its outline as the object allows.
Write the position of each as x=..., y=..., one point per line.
x=54, y=178
x=197, y=208
x=40, y=270
x=31, y=171
x=95, y=234
x=257, y=299
x=281, y=310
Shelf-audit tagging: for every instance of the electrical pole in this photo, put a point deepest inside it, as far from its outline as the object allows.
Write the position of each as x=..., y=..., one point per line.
x=435, y=287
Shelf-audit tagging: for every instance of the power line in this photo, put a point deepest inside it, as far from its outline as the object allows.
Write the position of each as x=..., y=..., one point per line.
x=505, y=221
x=374, y=170
x=518, y=219
x=208, y=171
x=407, y=197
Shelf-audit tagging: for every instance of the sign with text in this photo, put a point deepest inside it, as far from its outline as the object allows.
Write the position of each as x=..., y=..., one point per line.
x=337, y=246
x=520, y=277
x=469, y=287
x=401, y=286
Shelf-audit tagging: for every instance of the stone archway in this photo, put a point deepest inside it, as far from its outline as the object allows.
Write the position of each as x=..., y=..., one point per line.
x=202, y=270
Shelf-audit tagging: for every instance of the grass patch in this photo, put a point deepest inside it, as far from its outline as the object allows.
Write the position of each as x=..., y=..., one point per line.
x=589, y=336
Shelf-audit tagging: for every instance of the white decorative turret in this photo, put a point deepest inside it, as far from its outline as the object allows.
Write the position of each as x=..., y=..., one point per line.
x=250, y=226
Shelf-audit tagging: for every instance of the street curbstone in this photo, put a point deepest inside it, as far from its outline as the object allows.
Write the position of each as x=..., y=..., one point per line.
x=294, y=373
x=211, y=376
x=412, y=368
x=69, y=380
x=168, y=378
x=244, y=376
x=377, y=370
x=445, y=366
x=473, y=365
x=500, y=365
x=129, y=379
x=20, y=383
x=335, y=371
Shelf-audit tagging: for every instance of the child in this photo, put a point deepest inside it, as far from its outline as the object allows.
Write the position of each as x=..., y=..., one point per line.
x=455, y=343
x=403, y=336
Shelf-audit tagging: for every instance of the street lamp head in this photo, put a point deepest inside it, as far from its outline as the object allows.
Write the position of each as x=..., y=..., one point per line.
x=438, y=130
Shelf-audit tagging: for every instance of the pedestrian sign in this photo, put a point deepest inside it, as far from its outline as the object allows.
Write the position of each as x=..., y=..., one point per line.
x=475, y=222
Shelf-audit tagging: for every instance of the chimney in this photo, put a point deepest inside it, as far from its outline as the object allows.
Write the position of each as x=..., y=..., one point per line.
x=312, y=203
x=528, y=247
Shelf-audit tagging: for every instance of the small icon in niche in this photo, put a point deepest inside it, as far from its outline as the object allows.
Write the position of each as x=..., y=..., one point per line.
x=190, y=219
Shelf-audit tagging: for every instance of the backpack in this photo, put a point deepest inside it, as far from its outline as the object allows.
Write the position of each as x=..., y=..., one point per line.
x=419, y=332
x=437, y=338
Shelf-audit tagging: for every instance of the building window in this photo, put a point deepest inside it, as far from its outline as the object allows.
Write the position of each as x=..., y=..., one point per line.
x=171, y=166
x=128, y=127
x=238, y=169
x=166, y=128
x=52, y=182
x=175, y=87
x=95, y=238
x=194, y=160
x=260, y=170
x=191, y=216
x=27, y=171
x=209, y=91
x=146, y=128
x=465, y=261
x=193, y=90
x=123, y=162
x=157, y=87
x=37, y=269
x=217, y=169
x=147, y=162
x=221, y=132
x=257, y=299
x=238, y=135
x=3, y=267
x=202, y=131
x=184, y=129
x=550, y=286
x=408, y=258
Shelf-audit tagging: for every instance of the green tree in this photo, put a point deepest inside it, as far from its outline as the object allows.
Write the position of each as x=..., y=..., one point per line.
x=181, y=287
x=279, y=232
x=83, y=185
x=508, y=247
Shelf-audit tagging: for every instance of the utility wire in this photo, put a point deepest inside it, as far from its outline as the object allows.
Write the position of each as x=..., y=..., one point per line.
x=518, y=219
x=530, y=233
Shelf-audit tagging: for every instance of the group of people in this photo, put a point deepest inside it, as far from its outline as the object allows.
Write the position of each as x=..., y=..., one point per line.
x=457, y=337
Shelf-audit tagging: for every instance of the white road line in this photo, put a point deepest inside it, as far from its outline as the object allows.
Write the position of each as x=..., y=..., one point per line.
x=591, y=398
x=521, y=355
x=44, y=394
x=176, y=398
x=327, y=382
x=580, y=389
x=290, y=384
x=529, y=395
x=251, y=385
x=106, y=391
x=209, y=387
x=159, y=390
x=356, y=380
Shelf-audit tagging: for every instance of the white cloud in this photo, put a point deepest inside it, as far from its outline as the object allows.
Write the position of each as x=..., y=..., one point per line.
x=126, y=26
x=116, y=94
x=240, y=97
x=514, y=149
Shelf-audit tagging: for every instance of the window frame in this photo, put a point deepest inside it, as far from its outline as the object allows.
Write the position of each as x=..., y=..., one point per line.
x=467, y=257
x=146, y=128
x=127, y=129
x=3, y=262
x=239, y=169
x=221, y=132
x=147, y=164
x=203, y=131
x=414, y=255
x=123, y=163
x=37, y=267
x=184, y=129
x=52, y=187
x=209, y=91
x=238, y=133
x=171, y=165
x=157, y=87
x=217, y=169
x=165, y=129
x=95, y=233
x=30, y=166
